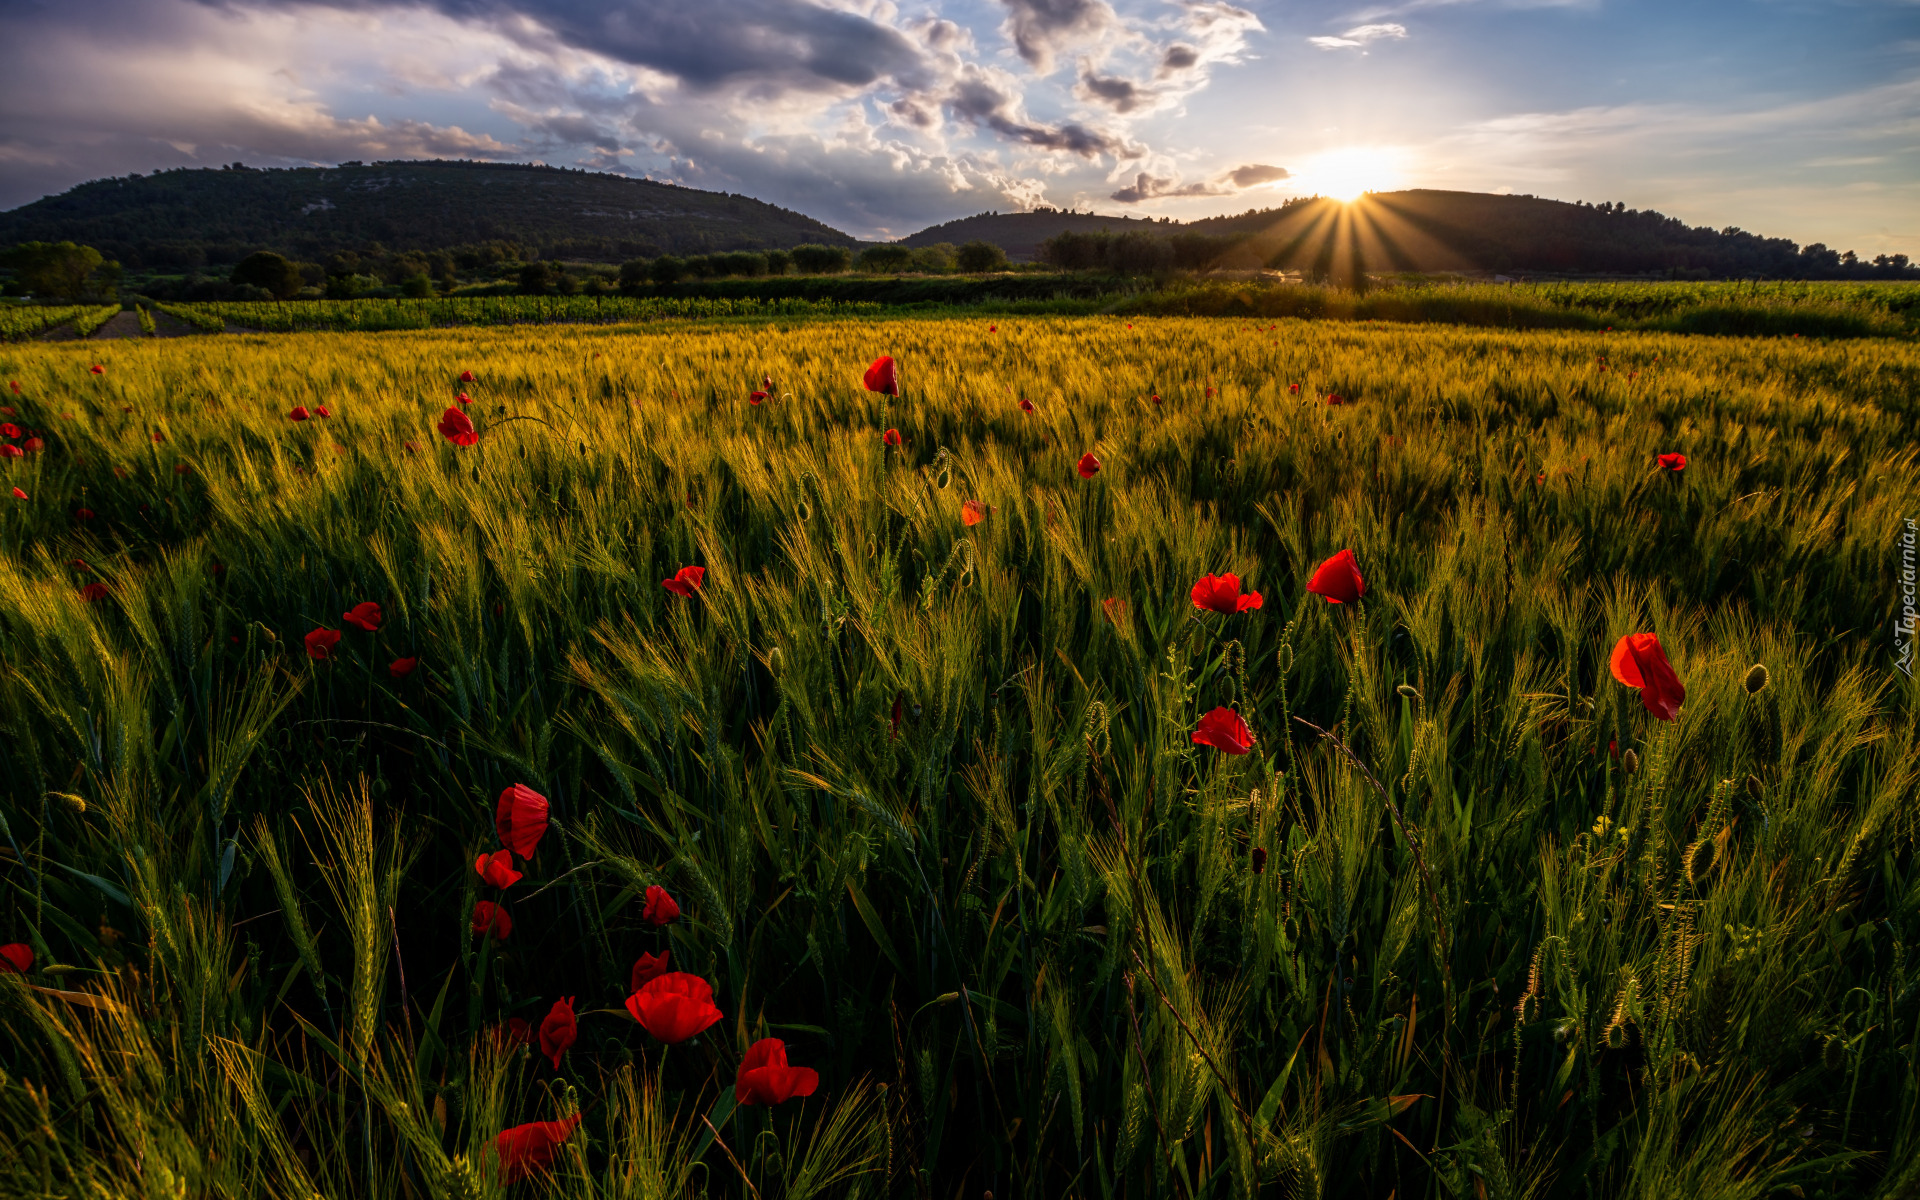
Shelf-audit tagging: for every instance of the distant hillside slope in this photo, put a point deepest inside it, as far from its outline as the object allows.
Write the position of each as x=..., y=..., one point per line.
x=1021, y=233
x=186, y=217
x=1424, y=230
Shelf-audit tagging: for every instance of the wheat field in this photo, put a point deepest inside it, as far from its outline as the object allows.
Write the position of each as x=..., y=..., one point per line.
x=907, y=775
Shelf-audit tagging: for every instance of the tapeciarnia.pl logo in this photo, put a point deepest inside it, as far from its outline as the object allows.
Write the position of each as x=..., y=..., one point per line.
x=1904, y=626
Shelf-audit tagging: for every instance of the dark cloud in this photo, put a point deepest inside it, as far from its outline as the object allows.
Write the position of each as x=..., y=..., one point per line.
x=1253, y=173
x=1158, y=187
x=1178, y=58
x=1111, y=91
x=1040, y=28
x=705, y=44
x=978, y=100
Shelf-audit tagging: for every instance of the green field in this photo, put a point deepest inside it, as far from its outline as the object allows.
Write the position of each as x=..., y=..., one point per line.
x=1468, y=921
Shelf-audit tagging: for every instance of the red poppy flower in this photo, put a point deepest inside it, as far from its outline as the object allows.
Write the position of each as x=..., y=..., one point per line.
x=19, y=495
x=674, y=1007
x=32, y=445
x=1089, y=465
x=1221, y=594
x=1224, y=731
x=497, y=869
x=1639, y=662
x=648, y=967
x=1293, y=389
x=320, y=644
x=320, y=410
x=94, y=592
x=973, y=512
x=883, y=377
x=97, y=369
x=1673, y=462
x=1338, y=579
x=515, y=1030
x=299, y=413
x=85, y=514
x=466, y=377
x=182, y=469
x=456, y=428
x=558, y=1030
x=490, y=918
x=765, y=1077
x=66, y=416
x=1116, y=610
x=1259, y=859
x=891, y=437
x=660, y=909
x=400, y=668
x=11, y=451
x=9, y=429
x=756, y=397
x=521, y=819
x=410, y=447
x=463, y=398
x=364, y=615
x=1335, y=400
x=525, y=1149
x=993, y=329
x=15, y=385
x=1026, y=405
x=158, y=437
x=686, y=581
x=17, y=958
x=121, y=472
x=1155, y=398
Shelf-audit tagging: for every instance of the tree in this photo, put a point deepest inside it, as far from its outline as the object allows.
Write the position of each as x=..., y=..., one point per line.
x=778, y=262
x=634, y=274
x=535, y=279
x=269, y=271
x=880, y=259
x=815, y=259
x=61, y=270
x=666, y=269
x=978, y=258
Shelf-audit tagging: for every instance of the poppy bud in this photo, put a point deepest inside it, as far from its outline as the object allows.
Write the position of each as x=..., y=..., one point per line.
x=1259, y=859
x=1616, y=1036
x=1757, y=679
x=1753, y=787
x=1833, y=1054
x=1409, y=691
x=943, y=479
x=1631, y=761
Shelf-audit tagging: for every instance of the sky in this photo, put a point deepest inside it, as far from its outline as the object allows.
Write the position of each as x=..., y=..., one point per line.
x=881, y=117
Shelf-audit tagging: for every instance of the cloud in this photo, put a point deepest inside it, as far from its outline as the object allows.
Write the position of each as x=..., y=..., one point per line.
x=1253, y=174
x=1147, y=186
x=1113, y=92
x=1040, y=29
x=1360, y=36
x=984, y=97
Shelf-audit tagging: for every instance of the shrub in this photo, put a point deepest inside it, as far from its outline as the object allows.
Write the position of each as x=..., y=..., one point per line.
x=417, y=287
x=535, y=279
x=634, y=274
x=779, y=262
x=739, y=262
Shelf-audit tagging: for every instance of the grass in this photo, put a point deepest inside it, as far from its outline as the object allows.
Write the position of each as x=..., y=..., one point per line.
x=926, y=792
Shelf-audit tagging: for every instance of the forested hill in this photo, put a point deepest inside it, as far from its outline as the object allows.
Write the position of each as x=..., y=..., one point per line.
x=1438, y=231
x=1424, y=230
x=183, y=218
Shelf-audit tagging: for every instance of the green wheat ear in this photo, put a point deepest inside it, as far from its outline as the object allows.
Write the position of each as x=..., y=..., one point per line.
x=458, y=1181
x=1757, y=679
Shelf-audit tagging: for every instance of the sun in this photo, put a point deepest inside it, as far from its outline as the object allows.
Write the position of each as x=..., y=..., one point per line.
x=1351, y=170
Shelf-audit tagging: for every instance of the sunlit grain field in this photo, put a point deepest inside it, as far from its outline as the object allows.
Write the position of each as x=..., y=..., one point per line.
x=914, y=760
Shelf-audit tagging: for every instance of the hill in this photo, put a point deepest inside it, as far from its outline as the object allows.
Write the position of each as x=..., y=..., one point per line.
x=187, y=217
x=1432, y=231
x=1020, y=233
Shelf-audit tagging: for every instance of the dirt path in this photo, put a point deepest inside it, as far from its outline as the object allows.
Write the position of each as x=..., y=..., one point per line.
x=120, y=325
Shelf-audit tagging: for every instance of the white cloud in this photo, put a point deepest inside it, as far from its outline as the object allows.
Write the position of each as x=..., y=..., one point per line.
x=1360, y=36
